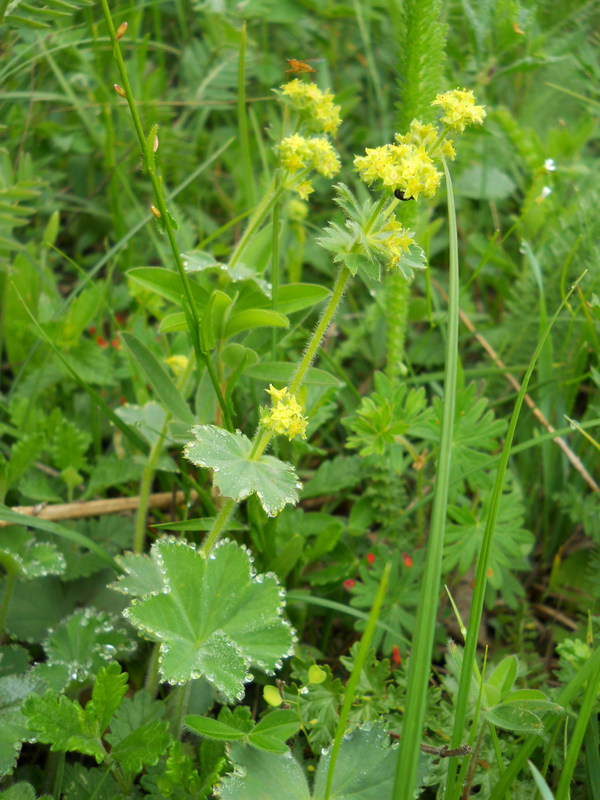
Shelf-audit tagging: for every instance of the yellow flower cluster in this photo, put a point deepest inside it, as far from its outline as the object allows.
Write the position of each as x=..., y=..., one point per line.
x=400, y=166
x=460, y=109
x=285, y=415
x=407, y=165
x=322, y=111
x=298, y=152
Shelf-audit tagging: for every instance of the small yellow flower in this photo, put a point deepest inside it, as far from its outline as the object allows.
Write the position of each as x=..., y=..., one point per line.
x=324, y=157
x=304, y=189
x=276, y=394
x=178, y=364
x=460, y=109
x=447, y=149
x=285, y=415
x=400, y=166
x=295, y=152
x=320, y=109
x=394, y=240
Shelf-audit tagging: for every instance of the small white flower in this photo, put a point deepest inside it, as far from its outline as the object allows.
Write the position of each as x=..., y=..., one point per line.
x=543, y=194
x=549, y=165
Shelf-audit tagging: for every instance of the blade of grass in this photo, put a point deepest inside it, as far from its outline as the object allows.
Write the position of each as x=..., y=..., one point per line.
x=352, y=684
x=300, y=596
x=452, y=790
x=592, y=758
x=583, y=717
x=243, y=124
x=14, y=518
x=159, y=379
x=420, y=659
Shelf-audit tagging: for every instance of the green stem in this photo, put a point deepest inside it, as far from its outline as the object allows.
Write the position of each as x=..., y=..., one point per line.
x=148, y=154
x=422, y=643
x=264, y=436
x=357, y=668
x=139, y=534
x=271, y=196
x=150, y=469
x=221, y=520
x=275, y=269
x=151, y=681
x=180, y=704
x=243, y=122
x=317, y=337
x=9, y=586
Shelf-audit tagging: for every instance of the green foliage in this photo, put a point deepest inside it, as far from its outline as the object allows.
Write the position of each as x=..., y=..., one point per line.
x=512, y=544
x=21, y=554
x=134, y=366
x=14, y=689
x=20, y=14
x=137, y=736
x=66, y=726
x=400, y=604
x=361, y=244
x=81, y=645
x=386, y=416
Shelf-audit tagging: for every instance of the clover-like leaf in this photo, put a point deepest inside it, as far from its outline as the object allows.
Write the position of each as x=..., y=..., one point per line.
x=213, y=616
x=269, y=734
x=236, y=474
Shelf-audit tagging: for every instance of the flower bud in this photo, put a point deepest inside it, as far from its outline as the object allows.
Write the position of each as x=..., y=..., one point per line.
x=119, y=90
x=156, y=212
x=272, y=696
x=121, y=30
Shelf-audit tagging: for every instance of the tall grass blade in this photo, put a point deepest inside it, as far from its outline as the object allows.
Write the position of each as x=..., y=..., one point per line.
x=452, y=790
x=420, y=660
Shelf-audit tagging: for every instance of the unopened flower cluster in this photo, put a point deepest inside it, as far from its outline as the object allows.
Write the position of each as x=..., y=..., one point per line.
x=407, y=166
x=285, y=415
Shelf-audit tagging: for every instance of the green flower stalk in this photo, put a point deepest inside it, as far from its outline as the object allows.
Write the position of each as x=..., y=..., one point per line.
x=371, y=240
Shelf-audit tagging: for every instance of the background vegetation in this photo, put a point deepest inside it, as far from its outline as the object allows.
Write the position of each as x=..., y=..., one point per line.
x=101, y=383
